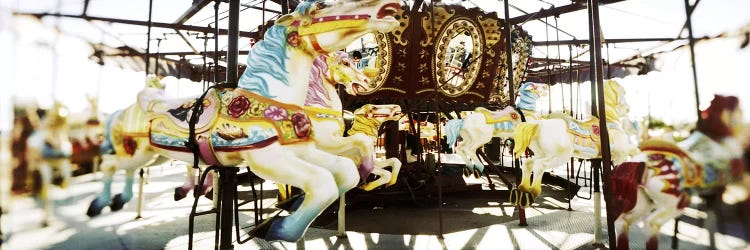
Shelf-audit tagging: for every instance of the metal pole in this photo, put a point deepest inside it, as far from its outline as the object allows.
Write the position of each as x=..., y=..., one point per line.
x=592, y=64
x=216, y=41
x=148, y=36
x=691, y=41
x=604, y=133
x=284, y=8
x=232, y=54
x=509, y=54
x=156, y=64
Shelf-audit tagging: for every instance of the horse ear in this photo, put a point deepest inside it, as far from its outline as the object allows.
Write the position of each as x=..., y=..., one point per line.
x=287, y=20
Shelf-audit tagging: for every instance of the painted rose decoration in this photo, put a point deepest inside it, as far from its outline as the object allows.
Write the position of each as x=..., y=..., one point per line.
x=276, y=113
x=238, y=106
x=301, y=125
x=595, y=129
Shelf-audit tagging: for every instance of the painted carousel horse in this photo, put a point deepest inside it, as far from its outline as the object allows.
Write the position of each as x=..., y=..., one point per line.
x=367, y=120
x=657, y=184
x=479, y=127
x=262, y=122
x=49, y=149
x=559, y=137
x=86, y=136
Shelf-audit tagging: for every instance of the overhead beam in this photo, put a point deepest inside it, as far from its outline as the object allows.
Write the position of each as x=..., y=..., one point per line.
x=190, y=12
x=186, y=53
x=555, y=11
x=144, y=23
x=620, y=40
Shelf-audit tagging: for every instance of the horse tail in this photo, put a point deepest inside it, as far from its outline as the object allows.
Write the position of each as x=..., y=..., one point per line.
x=107, y=147
x=522, y=136
x=624, y=182
x=452, y=128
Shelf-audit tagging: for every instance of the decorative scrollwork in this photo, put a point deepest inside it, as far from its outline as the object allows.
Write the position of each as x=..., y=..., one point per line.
x=441, y=15
x=522, y=47
x=398, y=33
x=382, y=64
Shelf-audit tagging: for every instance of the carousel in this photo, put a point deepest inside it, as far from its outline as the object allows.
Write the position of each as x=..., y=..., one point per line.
x=371, y=124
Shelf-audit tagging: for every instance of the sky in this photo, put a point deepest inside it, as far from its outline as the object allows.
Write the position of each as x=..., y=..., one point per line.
x=38, y=65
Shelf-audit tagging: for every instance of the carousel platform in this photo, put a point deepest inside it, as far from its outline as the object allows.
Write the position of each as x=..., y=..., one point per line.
x=470, y=221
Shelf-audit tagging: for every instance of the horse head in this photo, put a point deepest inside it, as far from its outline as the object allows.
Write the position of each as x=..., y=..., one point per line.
x=56, y=117
x=528, y=93
x=614, y=101
x=380, y=113
x=341, y=70
x=326, y=27
x=722, y=118
x=153, y=81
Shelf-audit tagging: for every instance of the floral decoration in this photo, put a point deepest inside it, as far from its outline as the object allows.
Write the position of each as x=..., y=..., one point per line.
x=275, y=113
x=238, y=106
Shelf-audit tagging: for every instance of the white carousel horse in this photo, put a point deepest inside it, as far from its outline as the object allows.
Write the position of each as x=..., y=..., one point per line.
x=656, y=186
x=559, y=137
x=479, y=127
x=367, y=120
x=48, y=149
x=262, y=122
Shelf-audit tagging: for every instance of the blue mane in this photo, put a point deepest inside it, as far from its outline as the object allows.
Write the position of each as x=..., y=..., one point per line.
x=267, y=59
x=527, y=99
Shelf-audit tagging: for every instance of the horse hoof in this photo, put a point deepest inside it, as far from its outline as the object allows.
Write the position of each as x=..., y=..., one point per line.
x=526, y=200
x=261, y=230
x=45, y=223
x=117, y=203
x=466, y=172
x=292, y=203
x=477, y=174
x=513, y=199
x=209, y=194
x=178, y=195
x=95, y=208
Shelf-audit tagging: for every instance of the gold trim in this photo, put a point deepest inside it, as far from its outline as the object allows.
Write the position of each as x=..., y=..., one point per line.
x=382, y=64
x=398, y=33
x=452, y=29
x=441, y=15
x=393, y=89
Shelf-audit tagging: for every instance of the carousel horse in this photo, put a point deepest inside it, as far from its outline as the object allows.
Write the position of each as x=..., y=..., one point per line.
x=557, y=138
x=656, y=186
x=479, y=127
x=367, y=120
x=262, y=122
x=86, y=137
x=49, y=149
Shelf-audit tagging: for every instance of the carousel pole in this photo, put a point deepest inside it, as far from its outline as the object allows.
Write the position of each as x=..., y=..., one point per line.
x=228, y=175
x=604, y=134
x=596, y=164
x=148, y=65
x=691, y=40
x=512, y=96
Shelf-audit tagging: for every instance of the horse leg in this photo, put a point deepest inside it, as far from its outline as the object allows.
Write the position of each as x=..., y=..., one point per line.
x=395, y=164
x=366, y=147
x=45, y=171
x=622, y=225
x=666, y=208
x=478, y=166
x=345, y=176
x=65, y=172
x=181, y=191
x=278, y=164
x=127, y=193
x=383, y=178
x=104, y=199
x=525, y=185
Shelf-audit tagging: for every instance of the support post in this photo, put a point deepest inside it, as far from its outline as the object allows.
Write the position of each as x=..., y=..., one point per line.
x=604, y=134
x=509, y=53
x=691, y=41
x=233, y=36
x=148, y=36
x=228, y=187
x=141, y=181
x=596, y=165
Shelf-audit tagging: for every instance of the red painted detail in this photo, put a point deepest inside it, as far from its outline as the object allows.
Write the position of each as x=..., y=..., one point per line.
x=684, y=201
x=652, y=243
x=622, y=241
x=129, y=144
x=624, y=182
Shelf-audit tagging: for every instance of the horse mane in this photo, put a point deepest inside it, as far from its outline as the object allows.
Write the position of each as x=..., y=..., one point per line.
x=612, y=93
x=526, y=99
x=267, y=59
x=362, y=124
x=316, y=93
x=711, y=123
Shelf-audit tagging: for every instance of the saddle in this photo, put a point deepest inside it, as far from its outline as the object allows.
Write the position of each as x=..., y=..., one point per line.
x=501, y=116
x=176, y=112
x=585, y=133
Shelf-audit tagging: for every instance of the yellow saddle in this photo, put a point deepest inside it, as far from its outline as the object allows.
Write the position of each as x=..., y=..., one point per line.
x=506, y=115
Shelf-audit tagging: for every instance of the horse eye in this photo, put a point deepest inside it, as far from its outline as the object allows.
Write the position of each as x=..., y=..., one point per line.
x=346, y=63
x=320, y=5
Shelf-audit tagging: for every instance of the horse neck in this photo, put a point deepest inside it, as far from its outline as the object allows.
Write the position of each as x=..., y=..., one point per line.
x=294, y=91
x=527, y=102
